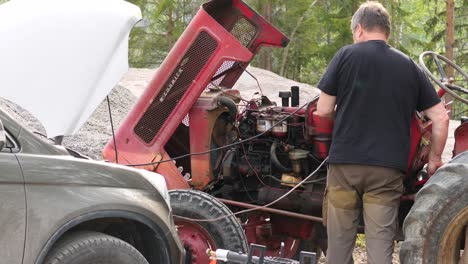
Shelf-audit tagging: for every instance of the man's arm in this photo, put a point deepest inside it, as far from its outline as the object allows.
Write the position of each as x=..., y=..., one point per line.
x=326, y=105
x=440, y=122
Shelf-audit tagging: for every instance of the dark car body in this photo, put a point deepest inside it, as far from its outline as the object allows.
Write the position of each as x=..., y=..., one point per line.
x=46, y=193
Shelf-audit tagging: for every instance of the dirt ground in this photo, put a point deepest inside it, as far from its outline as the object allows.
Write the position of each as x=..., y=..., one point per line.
x=359, y=256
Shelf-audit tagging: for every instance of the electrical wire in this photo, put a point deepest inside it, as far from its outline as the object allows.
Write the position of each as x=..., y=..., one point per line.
x=258, y=207
x=233, y=95
x=223, y=147
x=255, y=78
x=112, y=128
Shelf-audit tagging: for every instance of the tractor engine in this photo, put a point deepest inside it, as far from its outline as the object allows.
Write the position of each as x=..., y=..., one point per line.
x=191, y=127
x=273, y=149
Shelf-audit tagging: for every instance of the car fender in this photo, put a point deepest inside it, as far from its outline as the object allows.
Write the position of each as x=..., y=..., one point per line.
x=93, y=216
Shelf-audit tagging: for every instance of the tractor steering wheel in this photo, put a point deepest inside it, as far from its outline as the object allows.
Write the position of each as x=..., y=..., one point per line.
x=444, y=82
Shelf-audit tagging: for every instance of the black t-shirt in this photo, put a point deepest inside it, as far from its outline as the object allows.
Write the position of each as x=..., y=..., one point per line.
x=377, y=90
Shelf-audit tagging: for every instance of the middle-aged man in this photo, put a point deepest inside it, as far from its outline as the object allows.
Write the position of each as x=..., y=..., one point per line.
x=376, y=90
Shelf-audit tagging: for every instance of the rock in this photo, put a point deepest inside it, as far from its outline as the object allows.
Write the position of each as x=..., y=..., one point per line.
x=95, y=133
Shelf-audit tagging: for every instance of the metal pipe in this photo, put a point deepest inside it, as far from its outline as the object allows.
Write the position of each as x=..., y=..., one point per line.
x=290, y=110
x=306, y=203
x=58, y=140
x=272, y=210
x=295, y=96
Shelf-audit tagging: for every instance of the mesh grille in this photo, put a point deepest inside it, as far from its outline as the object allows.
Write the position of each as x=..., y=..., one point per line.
x=176, y=86
x=186, y=120
x=225, y=66
x=244, y=31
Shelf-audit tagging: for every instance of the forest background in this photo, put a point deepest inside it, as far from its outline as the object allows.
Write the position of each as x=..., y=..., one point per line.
x=317, y=29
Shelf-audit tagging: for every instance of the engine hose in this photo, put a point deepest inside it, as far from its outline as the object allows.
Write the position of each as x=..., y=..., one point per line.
x=275, y=160
x=230, y=105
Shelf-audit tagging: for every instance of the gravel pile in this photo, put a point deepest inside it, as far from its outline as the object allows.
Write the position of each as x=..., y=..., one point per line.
x=22, y=116
x=93, y=136
x=136, y=80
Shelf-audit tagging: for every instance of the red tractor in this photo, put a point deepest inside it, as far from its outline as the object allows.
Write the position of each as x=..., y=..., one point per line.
x=195, y=130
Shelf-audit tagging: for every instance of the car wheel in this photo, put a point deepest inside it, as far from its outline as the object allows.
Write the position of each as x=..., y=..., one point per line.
x=436, y=227
x=93, y=248
x=197, y=237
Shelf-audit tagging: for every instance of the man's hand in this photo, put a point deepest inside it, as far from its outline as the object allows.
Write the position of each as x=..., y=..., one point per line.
x=433, y=165
x=440, y=122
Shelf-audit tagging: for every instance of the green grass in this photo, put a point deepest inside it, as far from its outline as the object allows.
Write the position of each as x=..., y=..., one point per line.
x=361, y=241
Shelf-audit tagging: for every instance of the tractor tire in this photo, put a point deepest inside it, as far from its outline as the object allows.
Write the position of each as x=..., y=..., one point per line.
x=197, y=237
x=93, y=247
x=436, y=224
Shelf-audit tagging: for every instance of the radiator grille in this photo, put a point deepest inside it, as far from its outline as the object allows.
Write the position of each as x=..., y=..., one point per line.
x=222, y=70
x=244, y=31
x=176, y=86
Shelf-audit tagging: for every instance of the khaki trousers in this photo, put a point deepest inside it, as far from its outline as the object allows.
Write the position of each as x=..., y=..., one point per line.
x=375, y=191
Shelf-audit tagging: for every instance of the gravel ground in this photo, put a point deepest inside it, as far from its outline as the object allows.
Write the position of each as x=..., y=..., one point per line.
x=359, y=255
x=92, y=137
x=95, y=133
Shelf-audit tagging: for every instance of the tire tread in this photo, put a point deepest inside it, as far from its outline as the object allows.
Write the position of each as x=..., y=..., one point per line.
x=74, y=243
x=445, y=190
x=205, y=206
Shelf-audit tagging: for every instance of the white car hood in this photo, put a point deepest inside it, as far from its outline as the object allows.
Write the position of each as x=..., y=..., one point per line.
x=60, y=58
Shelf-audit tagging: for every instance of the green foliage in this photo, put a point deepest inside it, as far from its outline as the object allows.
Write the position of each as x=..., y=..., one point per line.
x=361, y=241
x=316, y=32
x=167, y=20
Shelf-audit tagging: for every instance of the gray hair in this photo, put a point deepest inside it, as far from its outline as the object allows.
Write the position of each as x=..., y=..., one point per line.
x=372, y=15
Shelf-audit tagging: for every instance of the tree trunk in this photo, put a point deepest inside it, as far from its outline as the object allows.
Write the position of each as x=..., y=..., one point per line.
x=449, y=43
x=170, y=28
x=292, y=38
x=327, y=8
x=266, y=53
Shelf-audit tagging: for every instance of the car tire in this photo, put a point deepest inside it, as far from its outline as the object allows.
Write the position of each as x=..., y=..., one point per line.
x=197, y=237
x=93, y=247
x=435, y=226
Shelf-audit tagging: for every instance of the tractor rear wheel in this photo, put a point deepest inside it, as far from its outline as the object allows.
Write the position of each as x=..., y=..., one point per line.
x=198, y=236
x=436, y=226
